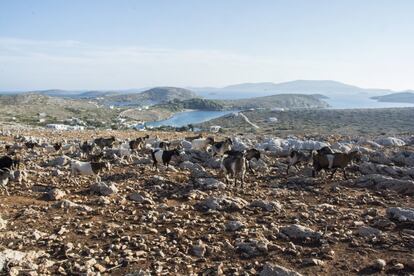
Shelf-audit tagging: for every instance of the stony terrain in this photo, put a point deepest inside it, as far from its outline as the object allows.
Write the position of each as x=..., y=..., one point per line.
x=184, y=220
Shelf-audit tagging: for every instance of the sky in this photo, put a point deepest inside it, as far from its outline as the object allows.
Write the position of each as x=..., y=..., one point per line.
x=120, y=44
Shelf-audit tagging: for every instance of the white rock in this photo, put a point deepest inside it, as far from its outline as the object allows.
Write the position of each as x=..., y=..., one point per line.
x=296, y=231
x=210, y=184
x=186, y=144
x=379, y=264
x=222, y=203
x=390, y=142
x=19, y=258
x=238, y=144
x=341, y=147
x=67, y=204
x=104, y=189
x=61, y=161
x=277, y=270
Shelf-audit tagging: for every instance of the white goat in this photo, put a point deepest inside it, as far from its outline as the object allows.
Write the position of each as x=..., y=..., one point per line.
x=202, y=143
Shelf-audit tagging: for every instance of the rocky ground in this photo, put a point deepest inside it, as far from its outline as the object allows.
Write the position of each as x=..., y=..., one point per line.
x=184, y=220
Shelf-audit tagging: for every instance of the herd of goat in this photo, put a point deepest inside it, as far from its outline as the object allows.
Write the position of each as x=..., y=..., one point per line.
x=234, y=163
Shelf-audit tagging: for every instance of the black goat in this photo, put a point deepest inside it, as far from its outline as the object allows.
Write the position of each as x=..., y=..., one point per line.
x=86, y=148
x=57, y=146
x=31, y=145
x=248, y=155
x=6, y=162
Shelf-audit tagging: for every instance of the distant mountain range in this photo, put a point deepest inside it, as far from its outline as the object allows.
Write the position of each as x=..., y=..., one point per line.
x=324, y=87
x=143, y=96
x=401, y=97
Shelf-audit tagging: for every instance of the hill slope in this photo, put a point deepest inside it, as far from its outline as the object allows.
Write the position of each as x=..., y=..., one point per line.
x=25, y=108
x=152, y=96
x=277, y=101
x=402, y=97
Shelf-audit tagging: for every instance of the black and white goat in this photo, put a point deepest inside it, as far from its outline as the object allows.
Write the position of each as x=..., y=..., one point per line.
x=234, y=166
x=89, y=168
x=138, y=143
x=296, y=157
x=325, y=150
x=163, y=156
x=86, y=148
x=105, y=142
x=4, y=179
x=219, y=148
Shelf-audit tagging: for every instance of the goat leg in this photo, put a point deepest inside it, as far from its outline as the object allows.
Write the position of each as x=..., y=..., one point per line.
x=332, y=175
x=345, y=174
x=251, y=170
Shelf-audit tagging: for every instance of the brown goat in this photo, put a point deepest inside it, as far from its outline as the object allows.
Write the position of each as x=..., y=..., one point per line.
x=334, y=161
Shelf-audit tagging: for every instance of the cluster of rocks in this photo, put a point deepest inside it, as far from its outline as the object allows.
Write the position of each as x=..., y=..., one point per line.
x=184, y=220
